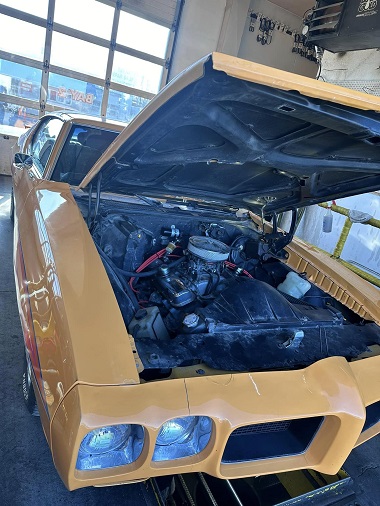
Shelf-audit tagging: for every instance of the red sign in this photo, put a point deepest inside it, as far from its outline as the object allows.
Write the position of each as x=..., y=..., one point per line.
x=78, y=96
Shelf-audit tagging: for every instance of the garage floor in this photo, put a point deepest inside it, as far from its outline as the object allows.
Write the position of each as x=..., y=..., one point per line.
x=27, y=474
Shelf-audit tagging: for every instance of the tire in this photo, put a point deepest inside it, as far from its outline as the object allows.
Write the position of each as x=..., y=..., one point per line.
x=27, y=387
x=12, y=207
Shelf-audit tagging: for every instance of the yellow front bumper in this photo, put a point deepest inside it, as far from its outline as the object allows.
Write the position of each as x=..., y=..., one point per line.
x=332, y=388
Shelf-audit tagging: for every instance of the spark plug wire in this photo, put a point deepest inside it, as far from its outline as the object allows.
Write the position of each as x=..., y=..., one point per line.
x=230, y=265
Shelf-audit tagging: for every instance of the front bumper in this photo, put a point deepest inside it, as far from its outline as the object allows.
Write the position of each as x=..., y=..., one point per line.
x=332, y=388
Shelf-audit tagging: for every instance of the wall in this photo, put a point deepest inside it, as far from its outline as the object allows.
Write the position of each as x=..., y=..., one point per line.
x=278, y=54
x=206, y=26
x=232, y=29
x=198, y=32
x=8, y=141
x=223, y=25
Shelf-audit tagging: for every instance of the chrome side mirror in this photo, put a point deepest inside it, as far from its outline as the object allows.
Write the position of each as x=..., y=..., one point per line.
x=23, y=161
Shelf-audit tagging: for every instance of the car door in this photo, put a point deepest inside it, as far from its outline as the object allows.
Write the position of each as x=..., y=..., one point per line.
x=25, y=182
x=37, y=286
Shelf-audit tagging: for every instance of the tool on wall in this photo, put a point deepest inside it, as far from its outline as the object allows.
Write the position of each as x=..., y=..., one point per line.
x=253, y=17
x=266, y=27
x=304, y=48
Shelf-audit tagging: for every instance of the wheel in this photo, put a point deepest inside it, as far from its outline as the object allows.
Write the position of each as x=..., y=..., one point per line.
x=27, y=387
x=12, y=207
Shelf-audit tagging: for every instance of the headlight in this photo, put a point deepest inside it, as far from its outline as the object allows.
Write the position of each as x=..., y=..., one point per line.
x=182, y=437
x=111, y=446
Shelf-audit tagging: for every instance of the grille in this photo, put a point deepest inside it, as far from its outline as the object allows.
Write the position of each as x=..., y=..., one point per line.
x=270, y=440
x=262, y=428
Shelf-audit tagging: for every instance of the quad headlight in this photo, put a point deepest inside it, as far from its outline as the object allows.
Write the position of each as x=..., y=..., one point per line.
x=111, y=446
x=182, y=437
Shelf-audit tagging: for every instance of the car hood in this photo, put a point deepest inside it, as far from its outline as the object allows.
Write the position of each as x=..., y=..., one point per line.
x=236, y=133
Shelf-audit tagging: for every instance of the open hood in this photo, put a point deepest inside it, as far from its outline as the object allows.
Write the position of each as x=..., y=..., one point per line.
x=236, y=133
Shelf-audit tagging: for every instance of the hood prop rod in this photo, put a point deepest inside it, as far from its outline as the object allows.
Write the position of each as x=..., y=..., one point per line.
x=91, y=221
x=272, y=244
x=89, y=206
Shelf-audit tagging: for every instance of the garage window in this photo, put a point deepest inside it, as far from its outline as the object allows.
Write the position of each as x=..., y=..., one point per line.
x=24, y=39
x=105, y=58
x=86, y=15
x=142, y=35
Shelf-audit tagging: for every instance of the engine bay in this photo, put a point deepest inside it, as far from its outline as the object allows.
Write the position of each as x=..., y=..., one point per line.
x=195, y=289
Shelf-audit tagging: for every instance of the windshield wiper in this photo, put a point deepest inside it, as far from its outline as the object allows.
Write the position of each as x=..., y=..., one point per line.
x=151, y=202
x=192, y=205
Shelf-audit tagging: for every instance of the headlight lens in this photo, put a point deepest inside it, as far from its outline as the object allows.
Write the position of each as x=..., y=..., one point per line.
x=111, y=446
x=182, y=437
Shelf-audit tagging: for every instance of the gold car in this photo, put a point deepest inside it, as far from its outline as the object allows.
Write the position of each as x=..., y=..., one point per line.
x=166, y=328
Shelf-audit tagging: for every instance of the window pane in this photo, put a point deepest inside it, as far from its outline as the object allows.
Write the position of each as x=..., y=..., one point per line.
x=74, y=94
x=136, y=73
x=82, y=148
x=86, y=15
x=142, y=35
x=21, y=38
x=124, y=107
x=20, y=80
x=44, y=139
x=36, y=7
x=16, y=115
x=75, y=54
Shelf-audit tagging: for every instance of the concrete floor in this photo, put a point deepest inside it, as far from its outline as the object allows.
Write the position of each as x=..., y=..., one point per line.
x=27, y=474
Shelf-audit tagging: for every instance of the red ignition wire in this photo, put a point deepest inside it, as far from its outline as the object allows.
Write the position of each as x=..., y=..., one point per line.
x=230, y=265
x=145, y=264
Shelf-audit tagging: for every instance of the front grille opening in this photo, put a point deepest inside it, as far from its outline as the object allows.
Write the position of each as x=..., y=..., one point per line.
x=373, y=415
x=270, y=440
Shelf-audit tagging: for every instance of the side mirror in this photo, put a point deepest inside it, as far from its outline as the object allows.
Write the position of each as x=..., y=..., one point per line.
x=23, y=161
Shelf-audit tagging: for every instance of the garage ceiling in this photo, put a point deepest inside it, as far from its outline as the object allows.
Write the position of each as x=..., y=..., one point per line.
x=297, y=7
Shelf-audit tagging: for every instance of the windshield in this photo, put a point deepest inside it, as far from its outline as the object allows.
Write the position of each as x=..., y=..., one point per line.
x=82, y=148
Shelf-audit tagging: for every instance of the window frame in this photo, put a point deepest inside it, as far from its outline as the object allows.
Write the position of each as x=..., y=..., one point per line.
x=106, y=82
x=90, y=130
x=39, y=166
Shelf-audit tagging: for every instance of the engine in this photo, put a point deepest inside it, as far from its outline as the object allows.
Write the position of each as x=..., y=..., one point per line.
x=182, y=286
x=199, y=276
x=201, y=300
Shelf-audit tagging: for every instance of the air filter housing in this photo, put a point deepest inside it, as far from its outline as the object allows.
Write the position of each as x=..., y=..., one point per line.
x=208, y=249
